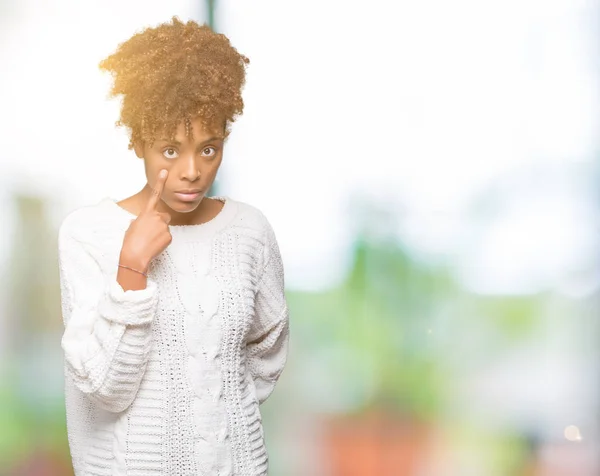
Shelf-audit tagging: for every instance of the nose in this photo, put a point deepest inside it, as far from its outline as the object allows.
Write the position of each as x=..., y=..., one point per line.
x=191, y=170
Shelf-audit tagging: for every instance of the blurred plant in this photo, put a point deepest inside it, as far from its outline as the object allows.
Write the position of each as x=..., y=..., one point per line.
x=384, y=338
x=371, y=336
x=31, y=384
x=390, y=305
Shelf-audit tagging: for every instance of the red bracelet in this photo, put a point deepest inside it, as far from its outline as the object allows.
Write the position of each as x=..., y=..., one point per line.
x=141, y=272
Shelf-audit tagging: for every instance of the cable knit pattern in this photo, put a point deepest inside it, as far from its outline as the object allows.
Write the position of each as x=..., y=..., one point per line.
x=168, y=380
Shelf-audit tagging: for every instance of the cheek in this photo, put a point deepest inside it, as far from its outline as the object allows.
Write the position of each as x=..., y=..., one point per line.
x=148, y=169
x=213, y=173
x=152, y=168
x=216, y=163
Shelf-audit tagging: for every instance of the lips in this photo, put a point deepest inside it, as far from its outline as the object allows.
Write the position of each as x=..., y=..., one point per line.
x=187, y=197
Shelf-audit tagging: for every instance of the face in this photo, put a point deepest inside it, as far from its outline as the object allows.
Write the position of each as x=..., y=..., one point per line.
x=192, y=162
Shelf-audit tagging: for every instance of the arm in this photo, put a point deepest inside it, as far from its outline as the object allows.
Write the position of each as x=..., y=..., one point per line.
x=107, y=337
x=267, y=342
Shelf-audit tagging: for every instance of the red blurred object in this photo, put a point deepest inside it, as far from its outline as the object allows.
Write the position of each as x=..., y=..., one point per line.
x=43, y=463
x=375, y=444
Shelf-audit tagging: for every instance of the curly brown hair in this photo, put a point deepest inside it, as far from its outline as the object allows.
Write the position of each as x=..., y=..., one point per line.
x=176, y=72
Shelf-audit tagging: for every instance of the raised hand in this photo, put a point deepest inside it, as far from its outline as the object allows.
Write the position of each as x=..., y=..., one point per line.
x=148, y=235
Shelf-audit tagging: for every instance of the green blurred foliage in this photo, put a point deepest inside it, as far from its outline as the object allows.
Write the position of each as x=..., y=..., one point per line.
x=385, y=334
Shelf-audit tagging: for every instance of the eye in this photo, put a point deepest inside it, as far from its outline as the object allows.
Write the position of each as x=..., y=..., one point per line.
x=207, y=151
x=170, y=153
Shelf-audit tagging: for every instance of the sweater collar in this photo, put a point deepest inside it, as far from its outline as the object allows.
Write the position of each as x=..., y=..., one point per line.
x=189, y=232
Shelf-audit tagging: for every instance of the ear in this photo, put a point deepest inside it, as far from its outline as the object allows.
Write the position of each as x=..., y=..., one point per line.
x=138, y=147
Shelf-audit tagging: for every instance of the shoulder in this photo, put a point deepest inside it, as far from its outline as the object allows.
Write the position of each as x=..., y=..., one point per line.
x=255, y=223
x=90, y=223
x=251, y=217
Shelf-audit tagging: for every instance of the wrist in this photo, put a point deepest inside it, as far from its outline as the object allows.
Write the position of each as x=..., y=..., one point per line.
x=133, y=261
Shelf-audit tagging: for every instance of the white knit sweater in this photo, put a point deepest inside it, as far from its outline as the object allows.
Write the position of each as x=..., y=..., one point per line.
x=168, y=380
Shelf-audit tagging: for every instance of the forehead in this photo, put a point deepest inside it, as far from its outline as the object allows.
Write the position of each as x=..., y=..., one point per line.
x=198, y=131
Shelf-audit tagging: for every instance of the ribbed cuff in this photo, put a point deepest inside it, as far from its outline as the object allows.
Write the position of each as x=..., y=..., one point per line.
x=131, y=307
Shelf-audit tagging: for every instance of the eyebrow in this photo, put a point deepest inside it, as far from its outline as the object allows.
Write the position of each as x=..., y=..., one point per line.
x=201, y=143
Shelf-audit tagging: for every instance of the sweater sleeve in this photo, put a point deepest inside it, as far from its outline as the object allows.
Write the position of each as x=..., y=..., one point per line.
x=268, y=339
x=107, y=331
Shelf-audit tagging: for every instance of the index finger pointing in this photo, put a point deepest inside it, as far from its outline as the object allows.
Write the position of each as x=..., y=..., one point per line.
x=157, y=190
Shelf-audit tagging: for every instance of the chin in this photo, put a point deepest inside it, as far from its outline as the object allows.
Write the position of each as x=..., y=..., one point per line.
x=185, y=207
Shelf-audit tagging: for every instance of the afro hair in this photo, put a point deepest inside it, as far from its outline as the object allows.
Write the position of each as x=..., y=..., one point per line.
x=173, y=73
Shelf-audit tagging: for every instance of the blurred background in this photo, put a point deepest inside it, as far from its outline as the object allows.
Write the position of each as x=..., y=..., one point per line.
x=431, y=171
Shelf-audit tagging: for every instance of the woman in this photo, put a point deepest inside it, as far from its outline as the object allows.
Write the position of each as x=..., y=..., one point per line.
x=176, y=321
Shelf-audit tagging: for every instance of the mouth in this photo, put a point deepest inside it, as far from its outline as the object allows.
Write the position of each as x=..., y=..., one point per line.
x=188, y=197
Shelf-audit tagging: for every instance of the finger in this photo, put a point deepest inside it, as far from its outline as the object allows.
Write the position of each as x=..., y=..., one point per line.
x=157, y=190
